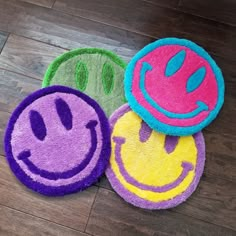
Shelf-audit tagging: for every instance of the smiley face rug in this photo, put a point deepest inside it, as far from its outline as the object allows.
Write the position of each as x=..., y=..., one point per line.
x=58, y=141
x=149, y=169
x=175, y=86
x=96, y=72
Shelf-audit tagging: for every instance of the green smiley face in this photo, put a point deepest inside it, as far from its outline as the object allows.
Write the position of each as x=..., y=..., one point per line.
x=96, y=72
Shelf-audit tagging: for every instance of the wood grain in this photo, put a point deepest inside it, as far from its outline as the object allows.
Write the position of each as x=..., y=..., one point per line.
x=221, y=10
x=164, y=3
x=27, y=56
x=112, y=216
x=71, y=211
x=39, y=33
x=227, y=67
x=44, y=3
x=16, y=223
x=214, y=201
x=225, y=123
x=104, y=183
x=13, y=89
x=220, y=155
x=3, y=38
x=66, y=31
x=155, y=21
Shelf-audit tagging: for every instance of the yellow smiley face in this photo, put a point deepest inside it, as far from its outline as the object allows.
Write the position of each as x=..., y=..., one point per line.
x=149, y=169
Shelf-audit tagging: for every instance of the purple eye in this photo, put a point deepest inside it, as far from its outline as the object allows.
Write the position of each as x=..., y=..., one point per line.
x=64, y=113
x=37, y=125
x=144, y=132
x=171, y=143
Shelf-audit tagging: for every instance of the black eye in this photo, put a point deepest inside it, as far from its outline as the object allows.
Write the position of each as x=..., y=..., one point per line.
x=37, y=125
x=64, y=113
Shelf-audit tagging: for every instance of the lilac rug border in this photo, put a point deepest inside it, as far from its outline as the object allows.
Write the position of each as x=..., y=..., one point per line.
x=140, y=202
x=66, y=189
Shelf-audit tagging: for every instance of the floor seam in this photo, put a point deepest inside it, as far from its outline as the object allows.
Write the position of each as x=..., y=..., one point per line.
x=91, y=210
x=8, y=34
x=44, y=219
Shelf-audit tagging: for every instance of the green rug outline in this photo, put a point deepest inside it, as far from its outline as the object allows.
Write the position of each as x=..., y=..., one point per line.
x=55, y=64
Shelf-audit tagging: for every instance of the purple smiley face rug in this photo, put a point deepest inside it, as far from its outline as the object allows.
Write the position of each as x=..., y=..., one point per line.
x=58, y=141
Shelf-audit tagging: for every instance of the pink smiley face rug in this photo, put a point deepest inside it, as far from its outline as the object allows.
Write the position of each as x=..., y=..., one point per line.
x=175, y=86
x=58, y=141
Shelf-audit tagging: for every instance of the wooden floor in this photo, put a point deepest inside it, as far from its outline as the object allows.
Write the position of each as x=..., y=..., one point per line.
x=34, y=32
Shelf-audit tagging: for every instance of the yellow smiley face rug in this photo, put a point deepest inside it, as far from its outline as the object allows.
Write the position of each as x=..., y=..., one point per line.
x=149, y=169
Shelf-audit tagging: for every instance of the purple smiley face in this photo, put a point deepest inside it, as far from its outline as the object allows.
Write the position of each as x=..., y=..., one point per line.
x=58, y=141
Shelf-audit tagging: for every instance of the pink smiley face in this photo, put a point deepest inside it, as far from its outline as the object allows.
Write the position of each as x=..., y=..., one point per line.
x=175, y=86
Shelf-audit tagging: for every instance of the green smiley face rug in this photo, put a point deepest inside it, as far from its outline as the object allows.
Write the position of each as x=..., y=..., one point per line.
x=97, y=72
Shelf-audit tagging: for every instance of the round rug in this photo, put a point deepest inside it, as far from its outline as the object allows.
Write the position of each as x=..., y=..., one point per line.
x=175, y=86
x=149, y=169
x=96, y=72
x=58, y=141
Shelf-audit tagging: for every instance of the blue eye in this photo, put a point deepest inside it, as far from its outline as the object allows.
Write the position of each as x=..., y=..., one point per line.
x=175, y=63
x=195, y=80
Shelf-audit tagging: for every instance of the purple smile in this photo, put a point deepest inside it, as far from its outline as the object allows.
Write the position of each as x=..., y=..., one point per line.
x=187, y=167
x=24, y=156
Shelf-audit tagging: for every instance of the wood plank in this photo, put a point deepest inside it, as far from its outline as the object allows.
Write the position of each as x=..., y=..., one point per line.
x=3, y=38
x=104, y=183
x=220, y=155
x=214, y=201
x=225, y=122
x=164, y=3
x=155, y=21
x=66, y=31
x=13, y=89
x=227, y=113
x=3, y=122
x=221, y=10
x=112, y=216
x=71, y=210
x=18, y=223
x=47, y=25
x=44, y=3
x=227, y=67
x=27, y=56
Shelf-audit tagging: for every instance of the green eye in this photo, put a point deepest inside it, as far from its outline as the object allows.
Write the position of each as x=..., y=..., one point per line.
x=107, y=78
x=81, y=76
